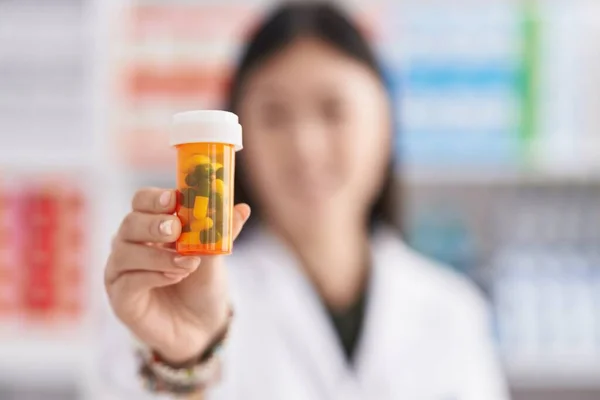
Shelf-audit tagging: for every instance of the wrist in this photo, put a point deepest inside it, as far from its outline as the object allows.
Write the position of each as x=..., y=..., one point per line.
x=181, y=373
x=182, y=356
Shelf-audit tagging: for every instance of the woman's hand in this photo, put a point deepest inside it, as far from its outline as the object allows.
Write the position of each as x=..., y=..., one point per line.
x=172, y=303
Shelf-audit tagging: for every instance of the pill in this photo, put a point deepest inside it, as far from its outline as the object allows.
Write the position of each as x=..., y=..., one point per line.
x=191, y=179
x=202, y=224
x=184, y=215
x=193, y=161
x=203, y=187
x=220, y=173
x=200, y=207
x=209, y=236
x=187, y=197
x=218, y=186
x=216, y=202
x=189, y=238
x=203, y=171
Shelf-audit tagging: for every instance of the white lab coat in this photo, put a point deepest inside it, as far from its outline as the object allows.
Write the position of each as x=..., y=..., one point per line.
x=425, y=336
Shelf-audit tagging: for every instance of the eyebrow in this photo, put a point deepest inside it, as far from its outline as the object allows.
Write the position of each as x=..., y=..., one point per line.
x=276, y=90
x=264, y=88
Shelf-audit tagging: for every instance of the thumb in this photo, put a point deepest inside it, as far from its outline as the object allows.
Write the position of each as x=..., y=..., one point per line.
x=241, y=213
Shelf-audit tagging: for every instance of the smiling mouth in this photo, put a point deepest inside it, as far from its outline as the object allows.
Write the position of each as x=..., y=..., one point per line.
x=311, y=187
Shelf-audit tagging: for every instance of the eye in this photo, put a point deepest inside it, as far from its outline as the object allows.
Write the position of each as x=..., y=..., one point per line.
x=333, y=111
x=275, y=115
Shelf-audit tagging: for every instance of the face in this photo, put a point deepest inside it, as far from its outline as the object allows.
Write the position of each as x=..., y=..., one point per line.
x=317, y=135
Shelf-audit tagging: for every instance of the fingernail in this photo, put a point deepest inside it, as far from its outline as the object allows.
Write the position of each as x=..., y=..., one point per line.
x=165, y=198
x=242, y=216
x=166, y=227
x=187, y=262
x=174, y=275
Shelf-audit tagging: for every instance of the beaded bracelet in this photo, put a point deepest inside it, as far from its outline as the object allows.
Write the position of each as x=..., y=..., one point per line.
x=197, y=374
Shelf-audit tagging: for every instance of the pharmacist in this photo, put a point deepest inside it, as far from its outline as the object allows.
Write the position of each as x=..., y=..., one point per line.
x=320, y=298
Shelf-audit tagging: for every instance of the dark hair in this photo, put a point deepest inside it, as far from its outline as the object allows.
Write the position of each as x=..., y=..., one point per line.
x=282, y=27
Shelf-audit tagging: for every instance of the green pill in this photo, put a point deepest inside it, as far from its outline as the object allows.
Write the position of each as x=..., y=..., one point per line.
x=209, y=236
x=187, y=197
x=191, y=180
x=220, y=173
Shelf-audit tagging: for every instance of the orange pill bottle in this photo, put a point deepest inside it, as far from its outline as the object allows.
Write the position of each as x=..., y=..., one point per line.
x=206, y=142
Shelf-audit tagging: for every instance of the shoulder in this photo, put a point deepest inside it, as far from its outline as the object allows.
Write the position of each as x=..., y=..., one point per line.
x=436, y=287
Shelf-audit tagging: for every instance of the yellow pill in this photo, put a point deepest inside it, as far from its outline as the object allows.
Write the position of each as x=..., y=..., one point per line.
x=189, y=238
x=194, y=160
x=201, y=224
x=200, y=207
x=218, y=186
x=216, y=166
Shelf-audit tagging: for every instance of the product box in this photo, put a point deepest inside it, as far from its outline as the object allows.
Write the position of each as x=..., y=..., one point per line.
x=8, y=270
x=43, y=251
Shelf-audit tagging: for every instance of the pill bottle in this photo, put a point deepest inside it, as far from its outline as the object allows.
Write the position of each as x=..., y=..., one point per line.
x=206, y=142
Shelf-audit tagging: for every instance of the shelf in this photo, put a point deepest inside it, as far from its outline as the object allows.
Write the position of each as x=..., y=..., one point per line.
x=425, y=177
x=158, y=177
x=48, y=160
x=474, y=176
x=548, y=373
x=50, y=357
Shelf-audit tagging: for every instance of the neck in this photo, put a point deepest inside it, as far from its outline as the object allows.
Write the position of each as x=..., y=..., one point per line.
x=335, y=256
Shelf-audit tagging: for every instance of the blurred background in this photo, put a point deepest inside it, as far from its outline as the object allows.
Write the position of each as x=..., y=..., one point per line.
x=498, y=149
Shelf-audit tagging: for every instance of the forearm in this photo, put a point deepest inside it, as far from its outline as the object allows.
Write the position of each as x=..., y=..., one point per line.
x=191, y=376
x=196, y=396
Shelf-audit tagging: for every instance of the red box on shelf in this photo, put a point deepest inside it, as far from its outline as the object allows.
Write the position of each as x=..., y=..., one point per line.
x=71, y=253
x=8, y=270
x=38, y=220
x=51, y=250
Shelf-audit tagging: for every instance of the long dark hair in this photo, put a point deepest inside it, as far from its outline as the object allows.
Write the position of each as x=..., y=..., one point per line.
x=281, y=28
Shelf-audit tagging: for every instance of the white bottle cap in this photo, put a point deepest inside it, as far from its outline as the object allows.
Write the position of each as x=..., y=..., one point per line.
x=206, y=126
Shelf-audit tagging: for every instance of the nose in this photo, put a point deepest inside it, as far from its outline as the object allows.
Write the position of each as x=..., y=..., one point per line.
x=309, y=142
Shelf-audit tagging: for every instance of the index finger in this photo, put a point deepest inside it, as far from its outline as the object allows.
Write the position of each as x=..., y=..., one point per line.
x=154, y=201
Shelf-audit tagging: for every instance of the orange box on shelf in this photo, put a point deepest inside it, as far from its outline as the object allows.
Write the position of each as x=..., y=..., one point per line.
x=176, y=81
x=155, y=153
x=201, y=21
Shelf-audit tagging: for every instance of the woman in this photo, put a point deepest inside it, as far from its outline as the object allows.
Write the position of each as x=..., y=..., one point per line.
x=328, y=301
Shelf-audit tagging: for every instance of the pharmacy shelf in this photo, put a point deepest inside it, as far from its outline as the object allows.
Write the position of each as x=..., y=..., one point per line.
x=480, y=176
x=159, y=177
x=35, y=160
x=548, y=373
x=449, y=177
x=51, y=357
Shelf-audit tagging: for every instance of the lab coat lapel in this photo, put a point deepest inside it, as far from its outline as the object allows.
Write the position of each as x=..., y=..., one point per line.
x=389, y=332
x=303, y=320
